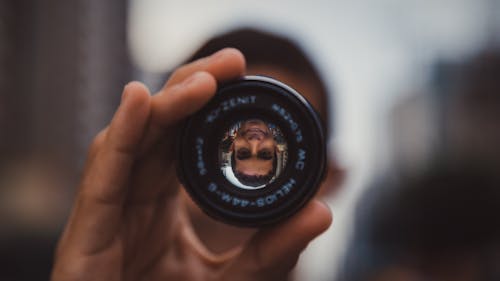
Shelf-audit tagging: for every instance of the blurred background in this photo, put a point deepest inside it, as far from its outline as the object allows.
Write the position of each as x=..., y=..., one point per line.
x=397, y=70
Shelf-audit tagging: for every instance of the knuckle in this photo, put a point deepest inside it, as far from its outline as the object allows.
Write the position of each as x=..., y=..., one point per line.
x=184, y=71
x=180, y=73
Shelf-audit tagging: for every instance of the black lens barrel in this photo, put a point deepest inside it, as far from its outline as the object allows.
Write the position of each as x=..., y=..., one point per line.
x=252, y=97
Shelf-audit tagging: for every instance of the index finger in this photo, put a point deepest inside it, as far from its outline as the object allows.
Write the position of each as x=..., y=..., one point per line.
x=225, y=64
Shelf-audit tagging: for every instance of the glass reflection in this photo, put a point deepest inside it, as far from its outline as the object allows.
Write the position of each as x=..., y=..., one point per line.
x=252, y=153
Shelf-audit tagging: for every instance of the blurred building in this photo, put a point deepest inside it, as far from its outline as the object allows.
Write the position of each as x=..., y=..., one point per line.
x=63, y=65
x=435, y=207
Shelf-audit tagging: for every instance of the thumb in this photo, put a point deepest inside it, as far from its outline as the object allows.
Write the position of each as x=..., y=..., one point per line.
x=273, y=252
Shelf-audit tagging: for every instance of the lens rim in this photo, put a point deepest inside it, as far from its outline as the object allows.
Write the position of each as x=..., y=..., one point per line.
x=276, y=103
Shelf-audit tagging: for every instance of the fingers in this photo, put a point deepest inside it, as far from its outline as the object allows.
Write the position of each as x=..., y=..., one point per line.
x=225, y=64
x=129, y=123
x=180, y=100
x=98, y=206
x=272, y=253
x=107, y=176
x=189, y=89
x=192, y=85
x=154, y=173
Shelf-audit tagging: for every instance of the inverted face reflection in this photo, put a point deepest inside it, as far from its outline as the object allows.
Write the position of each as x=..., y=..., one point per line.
x=253, y=153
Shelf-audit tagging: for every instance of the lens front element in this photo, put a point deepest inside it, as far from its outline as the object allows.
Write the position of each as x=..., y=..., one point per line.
x=252, y=154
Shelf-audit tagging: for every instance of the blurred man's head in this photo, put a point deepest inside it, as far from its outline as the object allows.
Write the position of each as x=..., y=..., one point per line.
x=475, y=113
x=281, y=58
x=276, y=56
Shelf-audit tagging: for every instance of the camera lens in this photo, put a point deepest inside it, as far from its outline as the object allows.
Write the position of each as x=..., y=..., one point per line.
x=254, y=155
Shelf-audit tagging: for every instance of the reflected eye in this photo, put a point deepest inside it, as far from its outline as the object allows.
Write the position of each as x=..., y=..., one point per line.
x=242, y=154
x=265, y=154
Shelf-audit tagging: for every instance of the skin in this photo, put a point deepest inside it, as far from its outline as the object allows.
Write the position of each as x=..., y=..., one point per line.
x=255, y=148
x=129, y=221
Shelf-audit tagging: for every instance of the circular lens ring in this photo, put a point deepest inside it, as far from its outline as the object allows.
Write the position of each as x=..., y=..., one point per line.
x=252, y=97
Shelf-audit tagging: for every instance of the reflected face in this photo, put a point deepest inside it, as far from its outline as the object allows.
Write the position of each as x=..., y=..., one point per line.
x=252, y=153
x=254, y=149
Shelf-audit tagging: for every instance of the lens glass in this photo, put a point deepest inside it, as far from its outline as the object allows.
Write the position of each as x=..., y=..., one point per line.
x=252, y=153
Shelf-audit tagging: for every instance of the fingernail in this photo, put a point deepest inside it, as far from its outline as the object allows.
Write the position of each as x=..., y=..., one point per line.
x=218, y=54
x=125, y=93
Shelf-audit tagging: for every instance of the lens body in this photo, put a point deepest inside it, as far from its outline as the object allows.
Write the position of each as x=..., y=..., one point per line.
x=254, y=155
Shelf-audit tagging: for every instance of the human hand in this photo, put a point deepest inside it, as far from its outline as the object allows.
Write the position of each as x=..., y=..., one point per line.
x=128, y=221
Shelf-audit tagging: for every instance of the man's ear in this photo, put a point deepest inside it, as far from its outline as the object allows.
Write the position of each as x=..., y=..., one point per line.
x=334, y=178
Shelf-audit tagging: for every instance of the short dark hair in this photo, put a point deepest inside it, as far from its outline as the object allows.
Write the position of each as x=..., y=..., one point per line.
x=260, y=47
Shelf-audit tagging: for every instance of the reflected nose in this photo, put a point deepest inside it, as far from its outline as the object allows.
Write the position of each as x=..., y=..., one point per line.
x=254, y=147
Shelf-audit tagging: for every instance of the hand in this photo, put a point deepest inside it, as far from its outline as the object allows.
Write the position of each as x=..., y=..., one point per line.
x=129, y=222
